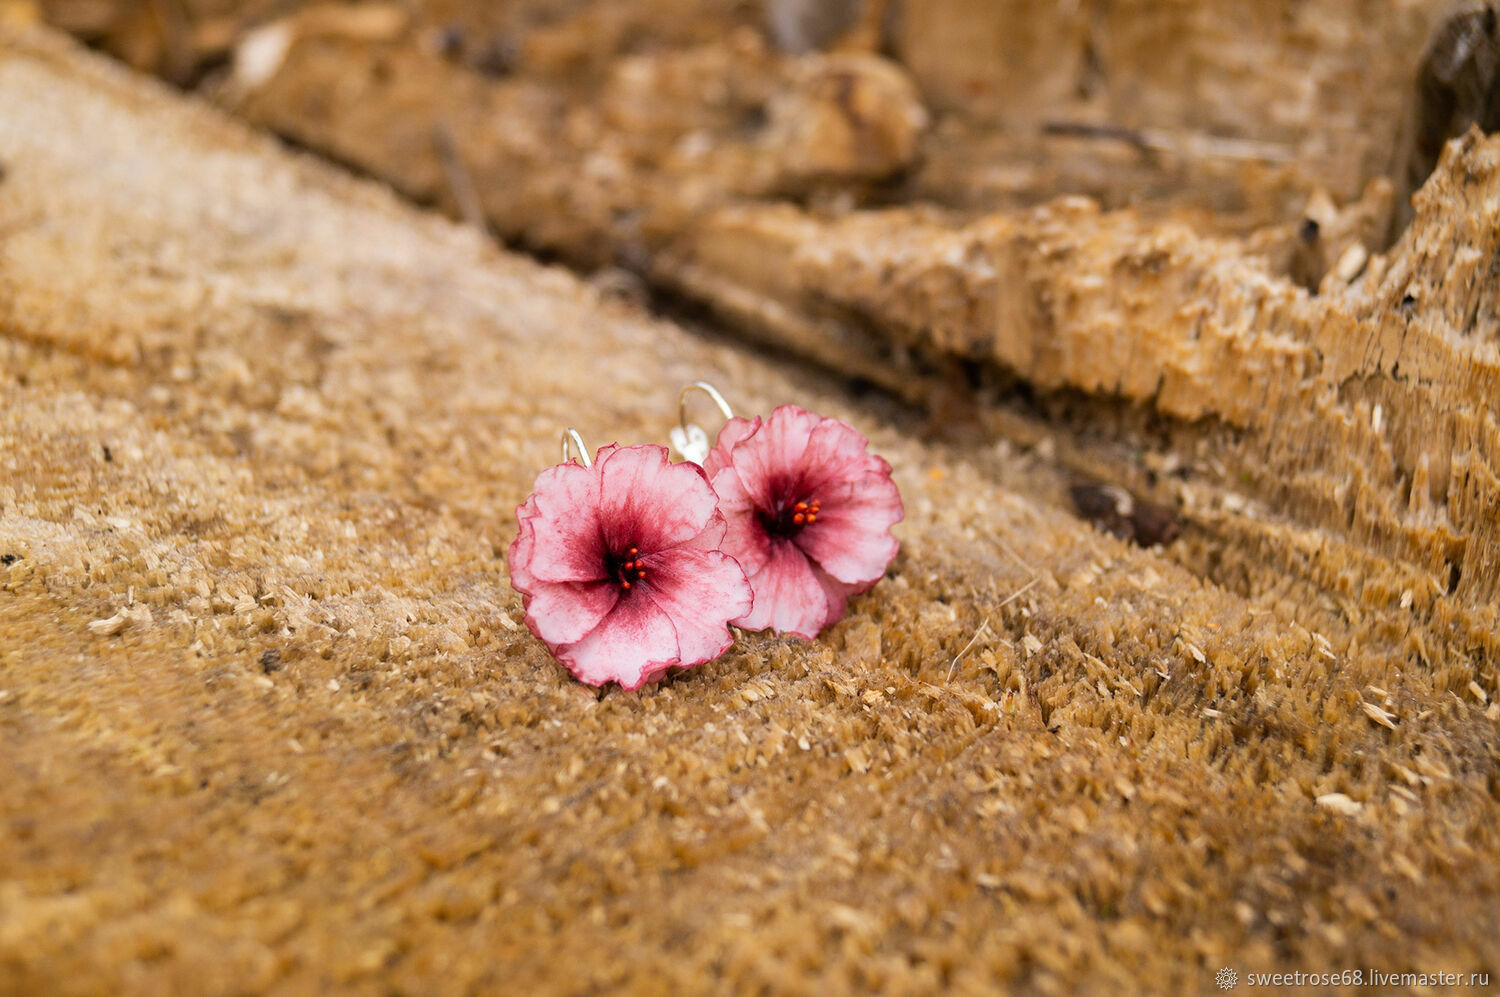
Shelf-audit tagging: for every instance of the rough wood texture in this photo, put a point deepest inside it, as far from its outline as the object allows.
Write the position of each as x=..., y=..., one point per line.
x=607, y=179
x=1210, y=334
x=272, y=724
x=1325, y=81
x=1238, y=112
x=1358, y=419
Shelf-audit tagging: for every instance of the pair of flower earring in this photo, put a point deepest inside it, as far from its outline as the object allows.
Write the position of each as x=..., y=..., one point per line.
x=629, y=565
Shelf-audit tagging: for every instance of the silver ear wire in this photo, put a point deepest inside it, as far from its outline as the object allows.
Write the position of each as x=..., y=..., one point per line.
x=690, y=441
x=707, y=389
x=571, y=438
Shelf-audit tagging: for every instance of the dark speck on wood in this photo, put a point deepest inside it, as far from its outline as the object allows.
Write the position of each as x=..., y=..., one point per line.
x=1114, y=510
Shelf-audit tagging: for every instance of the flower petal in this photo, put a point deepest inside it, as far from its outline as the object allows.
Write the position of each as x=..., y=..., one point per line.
x=564, y=613
x=745, y=538
x=712, y=537
x=700, y=591
x=851, y=539
x=518, y=558
x=788, y=595
x=770, y=461
x=734, y=431
x=648, y=502
x=633, y=645
x=836, y=595
x=837, y=452
x=566, y=544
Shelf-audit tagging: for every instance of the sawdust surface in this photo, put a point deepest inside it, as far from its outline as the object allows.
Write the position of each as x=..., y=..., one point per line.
x=271, y=723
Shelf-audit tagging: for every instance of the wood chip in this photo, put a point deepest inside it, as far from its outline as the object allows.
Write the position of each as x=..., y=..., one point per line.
x=1375, y=713
x=1340, y=804
x=133, y=616
x=1349, y=266
x=111, y=626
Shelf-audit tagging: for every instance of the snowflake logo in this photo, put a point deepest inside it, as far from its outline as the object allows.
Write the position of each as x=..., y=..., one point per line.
x=1227, y=979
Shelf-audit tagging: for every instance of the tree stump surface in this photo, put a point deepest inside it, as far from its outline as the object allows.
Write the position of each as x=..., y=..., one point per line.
x=274, y=722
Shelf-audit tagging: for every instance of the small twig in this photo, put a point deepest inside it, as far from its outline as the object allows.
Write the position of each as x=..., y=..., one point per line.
x=1195, y=145
x=1202, y=146
x=1117, y=133
x=460, y=181
x=1016, y=557
x=1017, y=593
x=985, y=625
x=981, y=629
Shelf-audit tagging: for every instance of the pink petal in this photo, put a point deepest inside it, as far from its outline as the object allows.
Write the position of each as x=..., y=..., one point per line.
x=788, y=595
x=700, y=591
x=712, y=537
x=566, y=534
x=648, y=502
x=770, y=461
x=634, y=644
x=836, y=595
x=522, y=550
x=851, y=539
x=564, y=613
x=836, y=452
x=745, y=538
x=734, y=431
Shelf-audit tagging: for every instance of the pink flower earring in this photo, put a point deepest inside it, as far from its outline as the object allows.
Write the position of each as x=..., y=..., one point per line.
x=809, y=511
x=619, y=565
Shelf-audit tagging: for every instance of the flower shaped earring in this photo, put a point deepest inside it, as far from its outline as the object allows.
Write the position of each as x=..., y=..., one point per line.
x=620, y=568
x=809, y=511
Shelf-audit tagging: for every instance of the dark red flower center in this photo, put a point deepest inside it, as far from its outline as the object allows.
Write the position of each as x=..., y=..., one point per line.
x=788, y=520
x=626, y=569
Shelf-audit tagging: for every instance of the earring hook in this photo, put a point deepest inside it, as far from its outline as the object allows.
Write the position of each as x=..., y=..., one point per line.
x=709, y=390
x=689, y=440
x=570, y=437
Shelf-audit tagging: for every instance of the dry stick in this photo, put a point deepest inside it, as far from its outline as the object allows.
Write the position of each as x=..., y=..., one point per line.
x=982, y=627
x=1193, y=144
x=1017, y=594
x=1080, y=129
x=460, y=181
x=1005, y=602
x=1017, y=558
